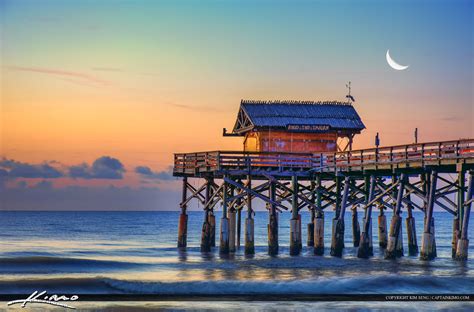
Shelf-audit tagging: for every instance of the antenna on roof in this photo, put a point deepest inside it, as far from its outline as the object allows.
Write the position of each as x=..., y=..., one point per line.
x=349, y=97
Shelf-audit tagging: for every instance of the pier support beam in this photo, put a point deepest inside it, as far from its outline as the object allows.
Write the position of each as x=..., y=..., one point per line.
x=224, y=237
x=457, y=221
x=206, y=226
x=337, y=243
x=249, y=223
x=295, y=222
x=239, y=227
x=318, y=222
x=205, y=235
x=428, y=244
x=319, y=234
x=212, y=223
x=456, y=236
x=365, y=250
x=231, y=213
x=272, y=222
x=463, y=242
x=394, y=246
x=355, y=227
x=183, y=217
x=310, y=241
x=392, y=250
x=382, y=228
x=411, y=231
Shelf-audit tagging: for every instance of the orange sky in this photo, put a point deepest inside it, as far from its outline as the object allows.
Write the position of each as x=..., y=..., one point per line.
x=143, y=82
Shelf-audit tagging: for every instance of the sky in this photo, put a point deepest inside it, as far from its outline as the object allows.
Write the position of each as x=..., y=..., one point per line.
x=97, y=96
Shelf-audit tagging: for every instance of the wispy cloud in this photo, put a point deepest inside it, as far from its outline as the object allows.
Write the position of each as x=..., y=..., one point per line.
x=451, y=118
x=122, y=70
x=78, y=77
x=108, y=69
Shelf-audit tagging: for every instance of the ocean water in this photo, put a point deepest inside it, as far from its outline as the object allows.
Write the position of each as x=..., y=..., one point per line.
x=135, y=253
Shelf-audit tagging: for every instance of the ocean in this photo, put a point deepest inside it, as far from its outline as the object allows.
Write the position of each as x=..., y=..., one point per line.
x=110, y=253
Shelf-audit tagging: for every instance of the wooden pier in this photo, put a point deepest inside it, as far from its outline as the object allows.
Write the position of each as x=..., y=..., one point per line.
x=385, y=178
x=398, y=178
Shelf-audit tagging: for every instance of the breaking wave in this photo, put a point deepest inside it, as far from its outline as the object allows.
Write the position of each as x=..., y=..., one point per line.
x=332, y=285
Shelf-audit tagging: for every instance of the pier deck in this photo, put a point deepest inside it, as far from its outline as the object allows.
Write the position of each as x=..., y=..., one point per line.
x=445, y=156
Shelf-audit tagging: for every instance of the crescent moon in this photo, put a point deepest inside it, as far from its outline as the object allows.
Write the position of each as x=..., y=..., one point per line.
x=394, y=64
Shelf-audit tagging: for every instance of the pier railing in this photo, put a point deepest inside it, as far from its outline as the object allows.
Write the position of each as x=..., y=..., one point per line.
x=422, y=154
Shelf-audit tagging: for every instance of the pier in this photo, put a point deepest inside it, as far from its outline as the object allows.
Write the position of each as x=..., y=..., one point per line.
x=305, y=166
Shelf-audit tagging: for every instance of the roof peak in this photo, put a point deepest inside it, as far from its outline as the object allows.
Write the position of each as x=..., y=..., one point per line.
x=292, y=102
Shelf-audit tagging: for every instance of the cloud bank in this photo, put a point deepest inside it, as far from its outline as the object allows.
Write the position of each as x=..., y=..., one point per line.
x=18, y=192
x=104, y=167
x=14, y=169
x=146, y=173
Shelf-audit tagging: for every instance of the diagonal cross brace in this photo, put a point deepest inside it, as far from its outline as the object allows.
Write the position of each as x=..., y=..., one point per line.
x=256, y=194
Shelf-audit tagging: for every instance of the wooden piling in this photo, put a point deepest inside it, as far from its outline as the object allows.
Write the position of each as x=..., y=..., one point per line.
x=337, y=243
x=399, y=247
x=310, y=241
x=355, y=227
x=318, y=222
x=183, y=217
x=457, y=221
x=463, y=242
x=249, y=223
x=461, y=196
x=206, y=226
x=300, y=240
x=231, y=214
x=394, y=246
x=456, y=236
x=462, y=248
x=224, y=234
x=392, y=251
x=428, y=244
x=295, y=222
x=319, y=235
x=182, y=230
x=411, y=235
x=411, y=231
x=365, y=250
x=205, y=237
x=212, y=219
x=432, y=229
x=273, y=234
x=249, y=236
x=272, y=223
x=239, y=226
x=382, y=228
x=371, y=245
x=337, y=207
x=294, y=234
x=212, y=222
